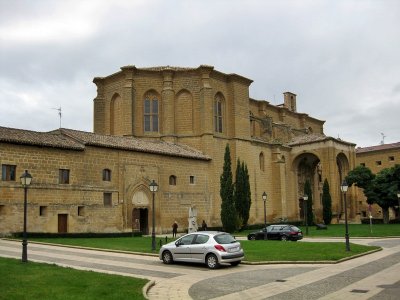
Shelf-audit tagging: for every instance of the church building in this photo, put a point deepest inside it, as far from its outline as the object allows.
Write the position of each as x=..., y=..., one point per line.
x=170, y=125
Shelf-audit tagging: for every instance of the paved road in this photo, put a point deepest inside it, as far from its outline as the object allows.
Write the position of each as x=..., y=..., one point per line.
x=376, y=276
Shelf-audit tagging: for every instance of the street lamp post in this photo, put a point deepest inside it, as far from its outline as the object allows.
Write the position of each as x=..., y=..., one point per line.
x=305, y=198
x=26, y=180
x=344, y=188
x=264, y=197
x=153, y=189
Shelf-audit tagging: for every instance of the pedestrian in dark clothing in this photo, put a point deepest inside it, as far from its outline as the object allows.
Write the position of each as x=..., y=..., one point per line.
x=174, y=229
x=204, y=226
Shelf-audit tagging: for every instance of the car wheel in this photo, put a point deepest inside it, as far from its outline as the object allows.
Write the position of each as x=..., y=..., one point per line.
x=212, y=261
x=252, y=237
x=167, y=257
x=284, y=238
x=235, y=263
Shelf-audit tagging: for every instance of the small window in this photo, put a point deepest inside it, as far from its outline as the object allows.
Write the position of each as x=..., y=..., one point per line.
x=8, y=172
x=191, y=179
x=2, y=210
x=218, y=113
x=64, y=176
x=261, y=158
x=42, y=211
x=172, y=180
x=107, y=199
x=201, y=239
x=151, y=114
x=106, y=175
x=81, y=211
x=378, y=163
x=391, y=158
x=362, y=164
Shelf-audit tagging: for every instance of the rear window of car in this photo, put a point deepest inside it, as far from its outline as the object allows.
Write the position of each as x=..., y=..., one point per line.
x=224, y=238
x=295, y=228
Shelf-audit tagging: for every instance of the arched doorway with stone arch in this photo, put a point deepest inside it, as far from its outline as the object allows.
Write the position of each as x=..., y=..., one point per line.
x=140, y=210
x=306, y=167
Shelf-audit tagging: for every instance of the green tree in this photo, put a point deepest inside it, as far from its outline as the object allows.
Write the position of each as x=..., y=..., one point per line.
x=383, y=190
x=228, y=211
x=360, y=176
x=326, y=203
x=242, y=194
x=309, y=202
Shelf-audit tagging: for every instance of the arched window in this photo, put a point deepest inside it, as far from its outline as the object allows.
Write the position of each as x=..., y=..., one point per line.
x=261, y=157
x=218, y=113
x=106, y=175
x=172, y=180
x=151, y=113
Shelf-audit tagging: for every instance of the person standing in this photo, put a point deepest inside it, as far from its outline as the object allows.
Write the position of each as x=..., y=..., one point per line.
x=204, y=226
x=174, y=229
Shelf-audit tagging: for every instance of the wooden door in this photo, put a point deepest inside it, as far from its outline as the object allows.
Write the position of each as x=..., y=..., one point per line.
x=62, y=223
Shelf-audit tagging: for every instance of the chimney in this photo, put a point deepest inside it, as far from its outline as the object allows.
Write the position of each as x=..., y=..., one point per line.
x=290, y=101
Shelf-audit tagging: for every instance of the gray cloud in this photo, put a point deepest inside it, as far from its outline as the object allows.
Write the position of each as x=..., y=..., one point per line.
x=340, y=57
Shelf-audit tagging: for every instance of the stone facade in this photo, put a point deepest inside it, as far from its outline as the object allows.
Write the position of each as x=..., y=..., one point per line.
x=172, y=124
x=376, y=158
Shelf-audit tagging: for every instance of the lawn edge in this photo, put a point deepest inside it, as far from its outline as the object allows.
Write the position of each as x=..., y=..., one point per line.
x=245, y=262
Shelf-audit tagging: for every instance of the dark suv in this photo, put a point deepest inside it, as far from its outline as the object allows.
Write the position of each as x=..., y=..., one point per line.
x=277, y=232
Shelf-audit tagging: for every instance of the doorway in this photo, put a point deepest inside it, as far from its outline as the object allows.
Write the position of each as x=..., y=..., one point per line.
x=140, y=218
x=62, y=223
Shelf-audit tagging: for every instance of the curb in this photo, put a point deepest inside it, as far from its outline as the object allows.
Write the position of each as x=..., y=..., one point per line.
x=147, y=287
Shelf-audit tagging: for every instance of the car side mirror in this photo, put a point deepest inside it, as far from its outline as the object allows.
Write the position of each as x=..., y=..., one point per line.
x=178, y=243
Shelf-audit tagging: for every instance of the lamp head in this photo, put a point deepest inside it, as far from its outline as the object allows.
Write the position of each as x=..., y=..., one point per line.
x=305, y=197
x=153, y=186
x=344, y=186
x=264, y=196
x=26, y=179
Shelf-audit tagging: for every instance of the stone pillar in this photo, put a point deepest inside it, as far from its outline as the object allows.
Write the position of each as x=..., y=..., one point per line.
x=206, y=101
x=99, y=107
x=167, y=121
x=128, y=98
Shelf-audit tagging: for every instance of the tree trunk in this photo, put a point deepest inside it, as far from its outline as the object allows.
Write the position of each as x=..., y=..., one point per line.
x=385, y=214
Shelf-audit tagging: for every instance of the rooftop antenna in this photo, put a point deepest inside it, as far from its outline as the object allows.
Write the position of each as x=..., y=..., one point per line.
x=383, y=138
x=59, y=113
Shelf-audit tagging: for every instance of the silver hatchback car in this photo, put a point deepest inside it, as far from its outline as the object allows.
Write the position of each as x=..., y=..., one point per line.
x=210, y=247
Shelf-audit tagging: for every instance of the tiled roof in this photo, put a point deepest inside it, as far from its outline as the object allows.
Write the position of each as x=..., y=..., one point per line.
x=77, y=140
x=134, y=144
x=312, y=138
x=378, y=148
x=26, y=137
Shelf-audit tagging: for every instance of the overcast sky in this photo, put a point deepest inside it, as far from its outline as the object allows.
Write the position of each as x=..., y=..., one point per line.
x=341, y=58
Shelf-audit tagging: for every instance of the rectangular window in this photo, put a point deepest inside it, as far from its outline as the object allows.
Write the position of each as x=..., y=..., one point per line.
x=8, y=172
x=106, y=175
x=150, y=115
x=107, y=199
x=2, y=210
x=42, y=211
x=63, y=176
x=378, y=162
x=362, y=164
x=81, y=211
x=391, y=158
x=191, y=179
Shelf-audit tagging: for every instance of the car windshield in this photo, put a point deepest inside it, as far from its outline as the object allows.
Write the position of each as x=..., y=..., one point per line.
x=224, y=239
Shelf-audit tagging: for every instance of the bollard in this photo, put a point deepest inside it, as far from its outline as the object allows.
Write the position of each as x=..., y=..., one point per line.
x=166, y=239
x=160, y=243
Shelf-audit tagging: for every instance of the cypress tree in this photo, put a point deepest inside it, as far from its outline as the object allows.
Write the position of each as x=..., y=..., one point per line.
x=228, y=212
x=239, y=194
x=247, y=195
x=326, y=203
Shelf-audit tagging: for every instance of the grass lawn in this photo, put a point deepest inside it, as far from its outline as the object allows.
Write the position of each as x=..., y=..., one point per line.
x=42, y=281
x=254, y=250
x=355, y=230
x=261, y=250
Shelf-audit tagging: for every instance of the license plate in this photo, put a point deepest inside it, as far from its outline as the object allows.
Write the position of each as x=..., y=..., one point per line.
x=234, y=249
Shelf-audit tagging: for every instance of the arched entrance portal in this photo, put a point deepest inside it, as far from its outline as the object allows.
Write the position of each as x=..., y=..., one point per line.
x=307, y=166
x=140, y=212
